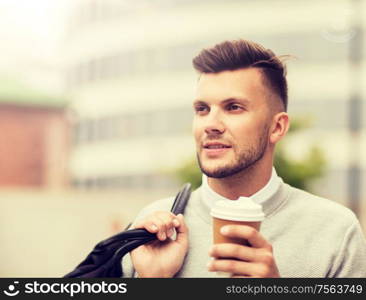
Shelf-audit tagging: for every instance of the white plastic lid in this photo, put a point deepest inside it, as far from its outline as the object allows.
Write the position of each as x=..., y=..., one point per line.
x=243, y=209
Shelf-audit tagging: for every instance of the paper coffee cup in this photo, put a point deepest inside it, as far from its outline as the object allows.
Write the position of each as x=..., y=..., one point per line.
x=243, y=211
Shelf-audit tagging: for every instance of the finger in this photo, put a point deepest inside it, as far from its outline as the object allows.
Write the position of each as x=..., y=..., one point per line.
x=168, y=219
x=182, y=231
x=154, y=225
x=182, y=228
x=161, y=228
x=253, y=236
x=149, y=225
x=236, y=267
x=230, y=250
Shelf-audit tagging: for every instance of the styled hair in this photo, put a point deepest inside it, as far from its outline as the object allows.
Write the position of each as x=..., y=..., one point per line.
x=239, y=54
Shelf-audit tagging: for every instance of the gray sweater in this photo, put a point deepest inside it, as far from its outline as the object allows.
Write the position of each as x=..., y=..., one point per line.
x=311, y=236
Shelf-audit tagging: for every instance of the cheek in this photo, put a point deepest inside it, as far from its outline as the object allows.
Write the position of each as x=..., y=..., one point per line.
x=196, y=130
x=243, y=135
x=240, y=132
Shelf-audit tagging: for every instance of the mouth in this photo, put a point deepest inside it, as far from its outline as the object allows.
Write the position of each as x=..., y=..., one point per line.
x=215, y=145
x=215, y=149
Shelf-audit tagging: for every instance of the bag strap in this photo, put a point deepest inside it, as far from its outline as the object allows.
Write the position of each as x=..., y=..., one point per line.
x=181, y=200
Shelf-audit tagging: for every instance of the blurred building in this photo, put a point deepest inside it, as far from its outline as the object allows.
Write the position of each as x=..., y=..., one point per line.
x=131, y=82
x=34, y=137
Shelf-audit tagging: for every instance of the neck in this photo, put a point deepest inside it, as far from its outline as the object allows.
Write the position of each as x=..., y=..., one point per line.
x=244, y=183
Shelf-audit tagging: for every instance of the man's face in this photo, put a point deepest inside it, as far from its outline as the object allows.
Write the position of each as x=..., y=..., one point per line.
x=231, y=123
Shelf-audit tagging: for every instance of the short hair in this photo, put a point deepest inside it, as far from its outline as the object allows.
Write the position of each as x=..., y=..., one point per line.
x=239, y=54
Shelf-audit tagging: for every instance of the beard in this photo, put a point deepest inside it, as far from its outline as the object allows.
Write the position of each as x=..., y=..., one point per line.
x=243, y=160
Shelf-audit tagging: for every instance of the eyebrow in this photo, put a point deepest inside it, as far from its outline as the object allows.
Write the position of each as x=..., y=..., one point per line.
x=243, y=101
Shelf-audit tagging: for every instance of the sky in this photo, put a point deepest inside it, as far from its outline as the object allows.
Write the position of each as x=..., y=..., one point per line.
x=31, y=28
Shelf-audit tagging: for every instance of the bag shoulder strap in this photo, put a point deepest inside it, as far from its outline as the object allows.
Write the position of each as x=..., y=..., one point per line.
x=180, y=201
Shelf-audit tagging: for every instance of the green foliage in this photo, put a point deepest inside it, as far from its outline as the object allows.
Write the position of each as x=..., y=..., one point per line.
x=299, y=173
x=294, y=172
x=190, y=172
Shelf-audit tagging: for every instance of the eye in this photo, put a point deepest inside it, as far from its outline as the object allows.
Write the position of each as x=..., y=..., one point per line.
x=201, y=108
x=235, y=107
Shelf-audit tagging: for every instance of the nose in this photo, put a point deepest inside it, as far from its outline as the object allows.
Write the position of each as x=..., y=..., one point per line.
x=214, y=124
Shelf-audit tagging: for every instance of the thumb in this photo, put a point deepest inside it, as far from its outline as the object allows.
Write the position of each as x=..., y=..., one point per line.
x=182, y=231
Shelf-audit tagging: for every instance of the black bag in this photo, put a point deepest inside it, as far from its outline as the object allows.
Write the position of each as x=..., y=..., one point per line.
x=105, y=259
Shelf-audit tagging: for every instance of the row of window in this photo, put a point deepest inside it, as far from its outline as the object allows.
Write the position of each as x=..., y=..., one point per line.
x=333, y=185
x=176, y=121
x=142, y=181
x=133, y=63
x=147, y=61
x=94, y=11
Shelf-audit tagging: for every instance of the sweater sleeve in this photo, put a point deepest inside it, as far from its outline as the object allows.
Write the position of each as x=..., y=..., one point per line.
x=126, y=262
x=127, y=267
x=164, y=204
x=351, y=259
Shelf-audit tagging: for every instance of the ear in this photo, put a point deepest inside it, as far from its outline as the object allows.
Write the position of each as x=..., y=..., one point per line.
x=280, y=126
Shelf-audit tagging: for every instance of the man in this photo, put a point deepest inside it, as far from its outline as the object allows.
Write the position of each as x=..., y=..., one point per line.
x=240, y=115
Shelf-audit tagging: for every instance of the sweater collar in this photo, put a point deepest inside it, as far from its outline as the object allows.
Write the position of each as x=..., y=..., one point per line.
x=270, y=196
x=209, y=196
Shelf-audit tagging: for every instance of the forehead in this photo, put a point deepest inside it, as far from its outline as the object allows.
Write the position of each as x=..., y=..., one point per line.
x=243, y=83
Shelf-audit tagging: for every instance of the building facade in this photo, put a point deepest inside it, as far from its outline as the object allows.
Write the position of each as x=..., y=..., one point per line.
x=131, y=81
x=34, y=140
